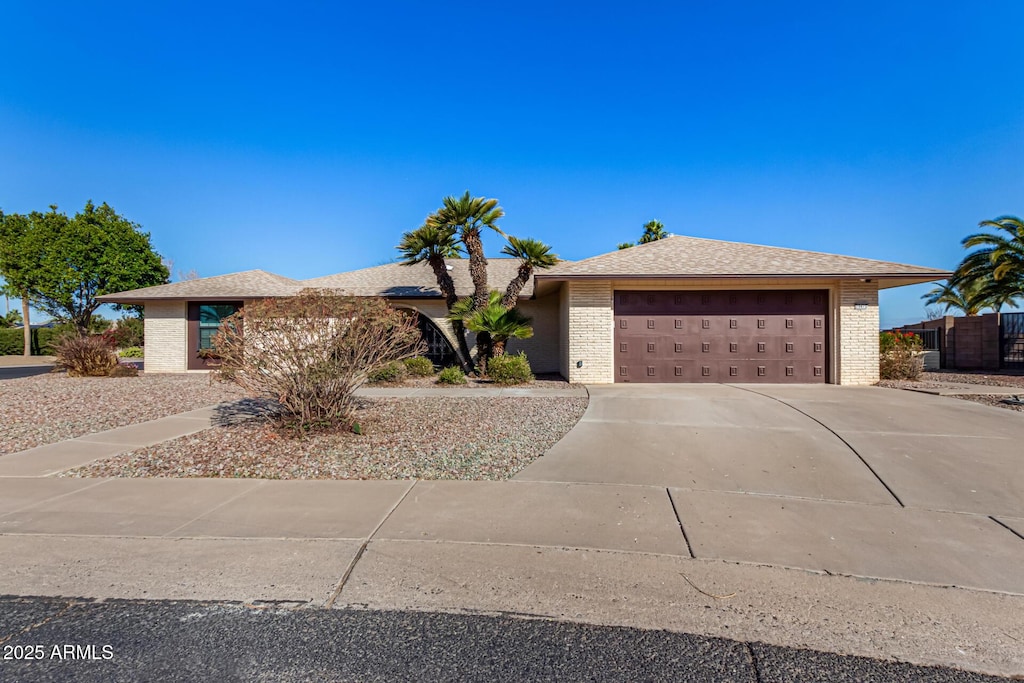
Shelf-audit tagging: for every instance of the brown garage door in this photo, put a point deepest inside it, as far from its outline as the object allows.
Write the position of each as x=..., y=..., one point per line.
x=721, y=336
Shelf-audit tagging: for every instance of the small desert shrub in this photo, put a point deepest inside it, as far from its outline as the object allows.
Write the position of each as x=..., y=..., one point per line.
x=510, y=369
x=124, y=370
x=391, y=372
x=310, y=352
x=132, y=352
x=451, y=375
x=85, y=356
x=418, y=366
x=899, y=355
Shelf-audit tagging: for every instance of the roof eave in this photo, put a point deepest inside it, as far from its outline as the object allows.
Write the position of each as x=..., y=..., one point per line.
x=920, y=277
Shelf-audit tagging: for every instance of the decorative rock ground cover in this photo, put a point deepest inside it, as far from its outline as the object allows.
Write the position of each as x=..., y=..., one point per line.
x=436, y=437
x=939, y=380
x=44, y=409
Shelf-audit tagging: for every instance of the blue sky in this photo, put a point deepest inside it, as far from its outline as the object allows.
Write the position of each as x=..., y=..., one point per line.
x=304, y=138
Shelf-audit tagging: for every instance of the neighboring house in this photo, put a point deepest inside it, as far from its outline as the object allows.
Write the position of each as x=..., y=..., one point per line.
x=681, y=309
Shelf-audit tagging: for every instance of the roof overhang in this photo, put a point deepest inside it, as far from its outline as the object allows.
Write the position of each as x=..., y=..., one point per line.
x=547, y=283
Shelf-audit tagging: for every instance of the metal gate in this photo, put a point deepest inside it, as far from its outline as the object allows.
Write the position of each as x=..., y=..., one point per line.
x=438, y=349
x=1011, y=351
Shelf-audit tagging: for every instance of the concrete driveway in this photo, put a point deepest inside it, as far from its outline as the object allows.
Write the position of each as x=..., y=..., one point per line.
x=846, y=444
x=853, y=480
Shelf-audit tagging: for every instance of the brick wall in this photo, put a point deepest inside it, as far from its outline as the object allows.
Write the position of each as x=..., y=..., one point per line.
x=975, y=343
x=590, y=332
x=166, y=330
x=857, y=333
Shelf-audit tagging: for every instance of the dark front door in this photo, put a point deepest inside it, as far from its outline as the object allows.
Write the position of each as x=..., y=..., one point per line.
x=721, y=336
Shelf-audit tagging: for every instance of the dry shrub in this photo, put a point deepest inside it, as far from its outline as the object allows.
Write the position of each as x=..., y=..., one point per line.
x=124, y=370
x=310, y=352
x=899, y=356
x=85, y=356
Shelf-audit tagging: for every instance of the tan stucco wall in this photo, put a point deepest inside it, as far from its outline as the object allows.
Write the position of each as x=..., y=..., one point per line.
x=857, y=333
x=542, y=349
x=166, y=330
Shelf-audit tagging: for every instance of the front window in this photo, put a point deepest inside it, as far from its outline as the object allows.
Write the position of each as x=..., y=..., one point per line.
x=210, y=317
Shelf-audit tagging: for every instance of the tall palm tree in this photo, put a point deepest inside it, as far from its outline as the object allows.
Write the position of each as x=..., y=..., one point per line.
x=1006, y=252
x=961, y=296
x=499, y=323
x=653, y=231
x=995, y=271
x=467, y=217
x=433, y=243
x=534, y=255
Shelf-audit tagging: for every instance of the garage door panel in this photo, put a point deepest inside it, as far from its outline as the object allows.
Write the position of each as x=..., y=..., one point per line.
x=723, y=336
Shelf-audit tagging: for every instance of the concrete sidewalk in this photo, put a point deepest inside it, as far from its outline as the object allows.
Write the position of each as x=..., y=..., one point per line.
x=621, y=555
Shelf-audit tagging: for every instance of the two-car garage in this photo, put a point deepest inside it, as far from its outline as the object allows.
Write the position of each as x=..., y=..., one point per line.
x=777, y=336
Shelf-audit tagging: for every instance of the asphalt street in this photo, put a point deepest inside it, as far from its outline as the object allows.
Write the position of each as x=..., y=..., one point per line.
x=55, y=639
x=26, y=371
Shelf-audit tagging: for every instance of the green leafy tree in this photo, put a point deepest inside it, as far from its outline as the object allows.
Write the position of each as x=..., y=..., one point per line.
x=654, y=230
x=15, y=265
x=72, y=261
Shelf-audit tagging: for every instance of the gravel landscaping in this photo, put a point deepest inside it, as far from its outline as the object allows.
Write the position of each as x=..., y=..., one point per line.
x=47, y=408
x=942, y=379
x=960, y=377
x=436, y=437
x=543, y=381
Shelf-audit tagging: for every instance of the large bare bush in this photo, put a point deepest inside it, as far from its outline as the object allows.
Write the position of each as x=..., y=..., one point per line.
x=310, y=352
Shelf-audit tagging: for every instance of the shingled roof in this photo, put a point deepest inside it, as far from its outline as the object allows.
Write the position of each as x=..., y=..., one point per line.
x=694, y=257
x=248, y=284
x=400, y=281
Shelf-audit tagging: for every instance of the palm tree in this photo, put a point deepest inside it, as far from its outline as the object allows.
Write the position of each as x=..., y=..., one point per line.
x=535, y=255
x=995, y=272
x=963, y=296
x=432, y=244
x=653, y=231
x=498, y=323
x=467, y=216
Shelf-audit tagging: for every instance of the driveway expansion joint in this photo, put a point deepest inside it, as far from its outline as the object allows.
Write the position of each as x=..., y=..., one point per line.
x=834, y=433
x=1007, y=527
x=689, y=547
